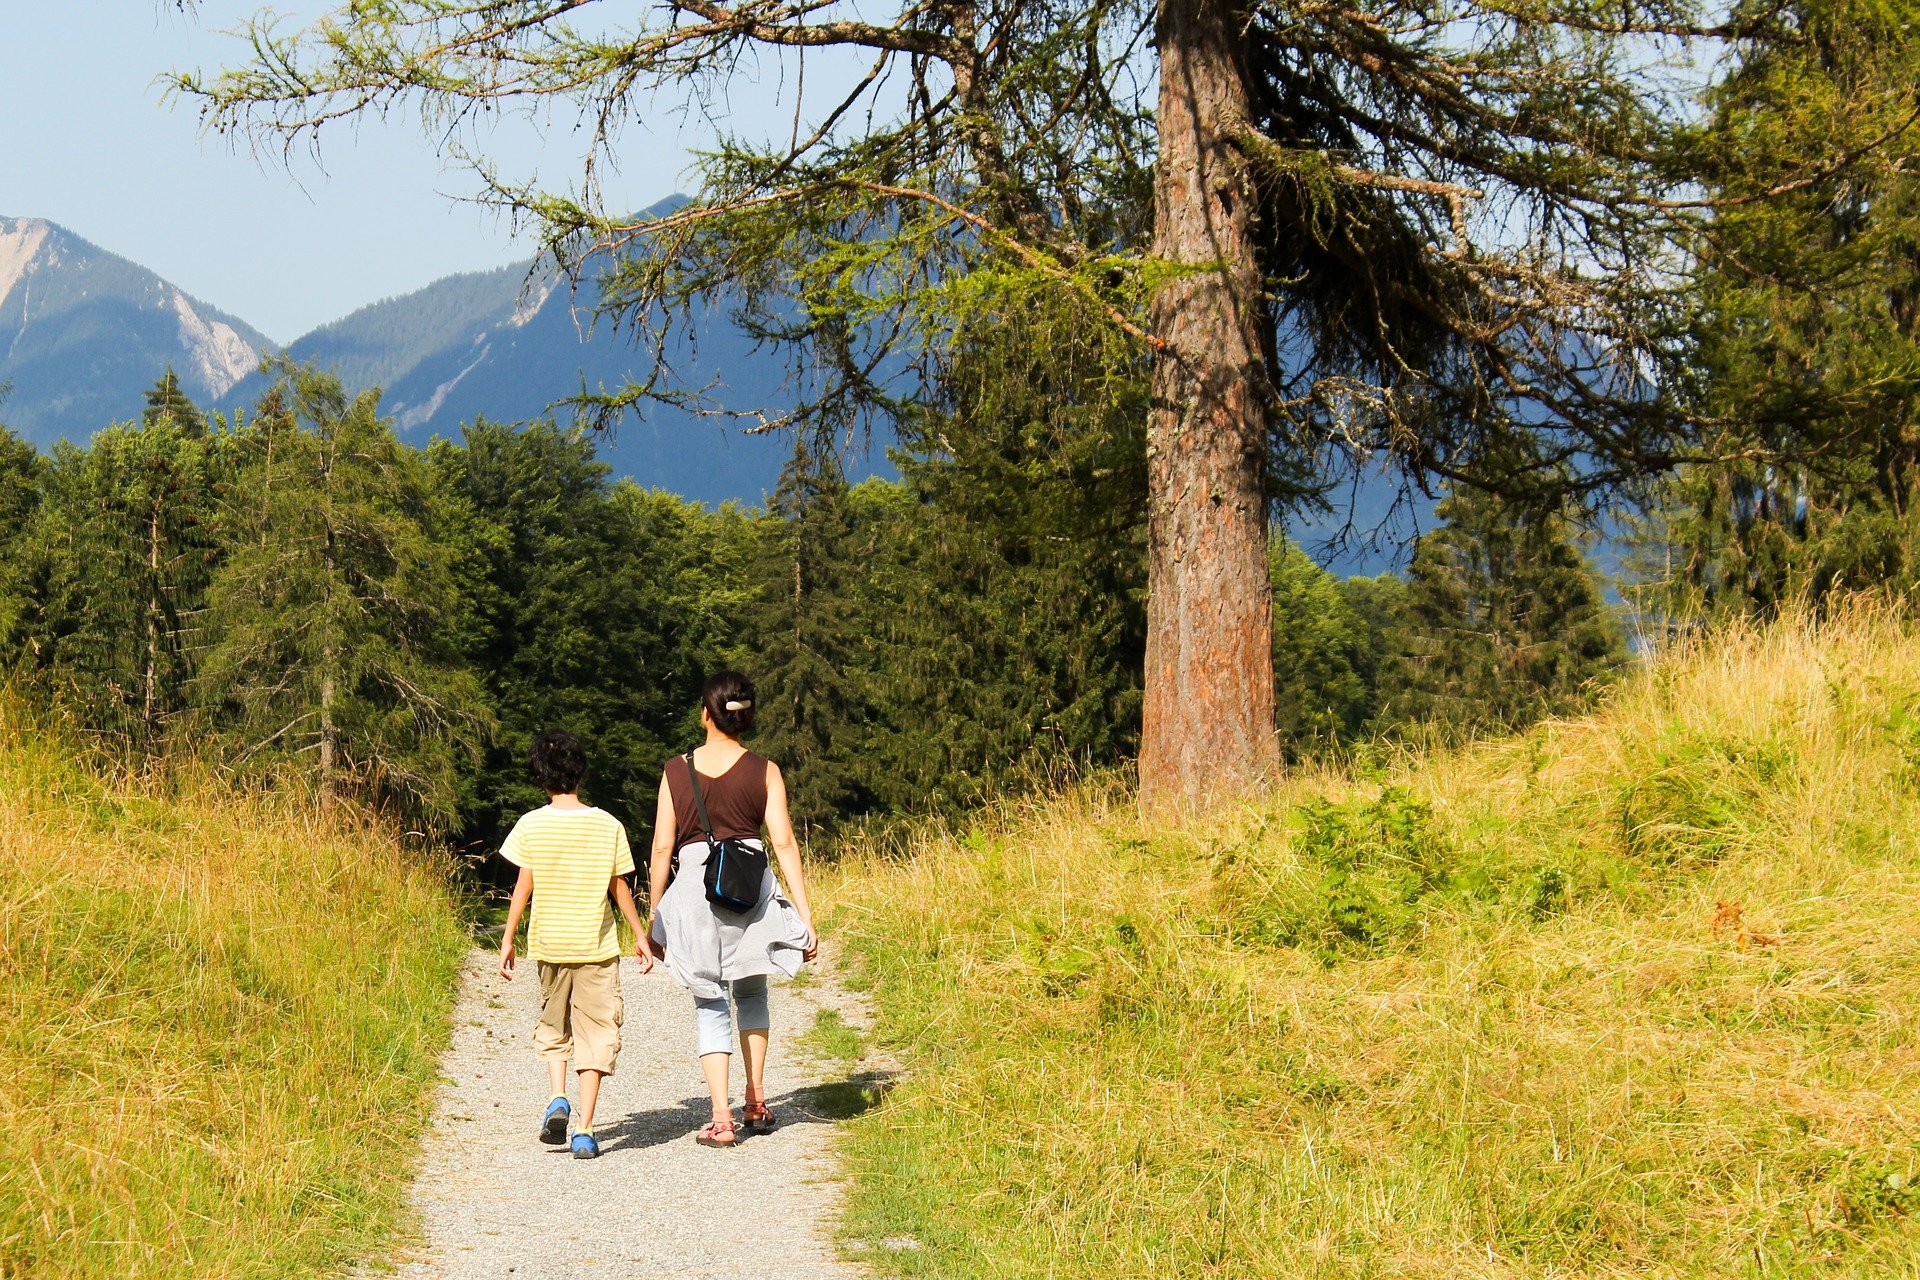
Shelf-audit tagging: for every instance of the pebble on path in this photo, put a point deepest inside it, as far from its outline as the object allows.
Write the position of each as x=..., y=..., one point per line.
x=496, y=1202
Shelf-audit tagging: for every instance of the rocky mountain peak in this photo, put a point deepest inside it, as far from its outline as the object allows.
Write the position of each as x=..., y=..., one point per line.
x=20, y=243
x=83, y=332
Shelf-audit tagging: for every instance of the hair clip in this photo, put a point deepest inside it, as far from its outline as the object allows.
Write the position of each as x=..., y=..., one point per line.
x=738, y=704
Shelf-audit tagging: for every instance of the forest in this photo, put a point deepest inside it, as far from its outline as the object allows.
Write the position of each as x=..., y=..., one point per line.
x=1712, y=388
x=1539, y=907
x=296, y=594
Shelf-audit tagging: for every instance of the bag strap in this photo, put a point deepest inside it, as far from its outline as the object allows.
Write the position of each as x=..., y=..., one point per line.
x=699, y=801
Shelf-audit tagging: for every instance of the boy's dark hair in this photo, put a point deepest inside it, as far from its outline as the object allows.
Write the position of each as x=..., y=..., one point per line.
x=557, y=762
x=728, y=698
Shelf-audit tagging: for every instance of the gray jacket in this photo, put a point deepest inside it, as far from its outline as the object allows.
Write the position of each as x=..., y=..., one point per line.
x=707, y=945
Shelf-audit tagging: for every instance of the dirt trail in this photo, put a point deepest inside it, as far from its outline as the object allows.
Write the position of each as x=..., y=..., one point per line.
x=497, y=1203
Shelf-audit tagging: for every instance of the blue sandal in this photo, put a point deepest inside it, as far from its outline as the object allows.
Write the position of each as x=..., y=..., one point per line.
x=553, y=1128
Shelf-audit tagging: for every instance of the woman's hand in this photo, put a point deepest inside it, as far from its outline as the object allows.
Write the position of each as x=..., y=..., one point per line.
x=786, y=848
x=506, y=957
x=643, y=952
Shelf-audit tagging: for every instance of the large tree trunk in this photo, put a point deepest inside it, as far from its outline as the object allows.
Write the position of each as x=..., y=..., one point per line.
x=329, y=647
x=1208, y=720
x=150, y=711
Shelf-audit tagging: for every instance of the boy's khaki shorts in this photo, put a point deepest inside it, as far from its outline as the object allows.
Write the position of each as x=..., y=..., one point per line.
x=580, y=1014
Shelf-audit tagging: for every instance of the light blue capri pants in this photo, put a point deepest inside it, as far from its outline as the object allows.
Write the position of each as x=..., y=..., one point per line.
x=716, y=1021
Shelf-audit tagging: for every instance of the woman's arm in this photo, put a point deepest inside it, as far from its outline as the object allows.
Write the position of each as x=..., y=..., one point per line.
x=660, y=865
x=787, y=849
x=522, y=894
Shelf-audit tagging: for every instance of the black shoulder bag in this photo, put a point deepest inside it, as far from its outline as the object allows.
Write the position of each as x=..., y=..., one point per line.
x=735, y=869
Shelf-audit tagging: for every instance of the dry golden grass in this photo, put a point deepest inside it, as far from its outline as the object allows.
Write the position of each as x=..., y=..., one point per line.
x=220, y=1019
x=1633, y=994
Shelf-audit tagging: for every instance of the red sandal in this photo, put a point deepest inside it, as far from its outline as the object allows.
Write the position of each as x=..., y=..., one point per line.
x=758, y=1116
x=718, y=1133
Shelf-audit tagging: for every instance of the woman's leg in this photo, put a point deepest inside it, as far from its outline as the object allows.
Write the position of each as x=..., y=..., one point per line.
x=715, y=1022
x=714, y=1066
x=750, y=1001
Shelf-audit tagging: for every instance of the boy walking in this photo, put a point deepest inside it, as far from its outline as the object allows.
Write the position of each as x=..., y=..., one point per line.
x=570, y=856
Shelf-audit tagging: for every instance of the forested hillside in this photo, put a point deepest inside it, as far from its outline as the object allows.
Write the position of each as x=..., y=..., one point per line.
x=524, y=341
x=297, y=588
x=82, y=331
x=303, y=594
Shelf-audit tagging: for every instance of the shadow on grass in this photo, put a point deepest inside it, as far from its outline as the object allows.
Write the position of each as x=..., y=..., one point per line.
x=827, y=1103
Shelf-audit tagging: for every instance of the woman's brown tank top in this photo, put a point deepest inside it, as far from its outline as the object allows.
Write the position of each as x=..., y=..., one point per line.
x=736, y=800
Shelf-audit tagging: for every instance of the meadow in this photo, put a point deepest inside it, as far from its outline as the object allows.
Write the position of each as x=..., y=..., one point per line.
x=1629, y=994
x=220, y=1021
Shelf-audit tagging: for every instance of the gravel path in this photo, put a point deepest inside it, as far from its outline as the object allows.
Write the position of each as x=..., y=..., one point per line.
x=497, y=1203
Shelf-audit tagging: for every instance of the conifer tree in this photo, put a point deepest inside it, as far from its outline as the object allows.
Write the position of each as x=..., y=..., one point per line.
x=1505, y=621
x=334, y=645
x=1007, y=580
x=112, y=574
x=1397, y=231
x=1810, y=350
x=1331, y=647
x=165, y=399
x=22, y=473
x=807, y=629
x=585, y=605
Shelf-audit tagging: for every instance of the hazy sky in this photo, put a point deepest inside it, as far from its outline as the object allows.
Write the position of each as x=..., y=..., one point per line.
x=88, y=143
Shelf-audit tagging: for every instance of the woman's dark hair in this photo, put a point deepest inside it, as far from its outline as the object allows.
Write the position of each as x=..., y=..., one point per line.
x=557, y=762
x=728, y=698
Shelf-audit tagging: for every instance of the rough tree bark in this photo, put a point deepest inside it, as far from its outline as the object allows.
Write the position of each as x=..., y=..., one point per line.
x=329, y=648
x=150, y=710
x=1208, y=716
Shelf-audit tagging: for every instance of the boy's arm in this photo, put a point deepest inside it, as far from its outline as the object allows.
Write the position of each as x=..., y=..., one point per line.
x=522, y=892
x=623, y=898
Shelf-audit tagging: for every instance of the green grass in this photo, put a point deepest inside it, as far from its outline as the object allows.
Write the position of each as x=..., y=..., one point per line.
x=220, y=1023
x=1479, y=1012
x=831, y=1038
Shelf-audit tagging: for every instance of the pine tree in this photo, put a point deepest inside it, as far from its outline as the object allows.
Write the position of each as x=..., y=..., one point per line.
x=112, y=573
x=1330, y=650
x=1810, y=350
x=335, y=608
x=1505, y=621
x=585, y=605
x=1007, y=575
x=22, y=473
x=21, y=468
x=1395, y=230
x=165, y=399
x=807, y=633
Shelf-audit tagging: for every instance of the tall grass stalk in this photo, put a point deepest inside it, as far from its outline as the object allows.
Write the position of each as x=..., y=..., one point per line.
x=220, y=1019
x=1632, y=994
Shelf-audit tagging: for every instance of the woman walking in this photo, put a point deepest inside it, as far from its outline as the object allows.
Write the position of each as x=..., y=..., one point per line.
x=711, y=950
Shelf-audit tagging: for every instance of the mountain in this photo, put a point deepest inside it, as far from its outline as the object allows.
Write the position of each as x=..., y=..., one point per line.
x=83, y=332
x=510, y=344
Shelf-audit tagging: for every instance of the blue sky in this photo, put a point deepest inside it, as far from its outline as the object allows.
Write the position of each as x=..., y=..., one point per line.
x=90, y=144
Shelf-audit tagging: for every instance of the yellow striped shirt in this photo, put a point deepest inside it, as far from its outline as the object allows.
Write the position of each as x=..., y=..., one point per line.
x=574, y=854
